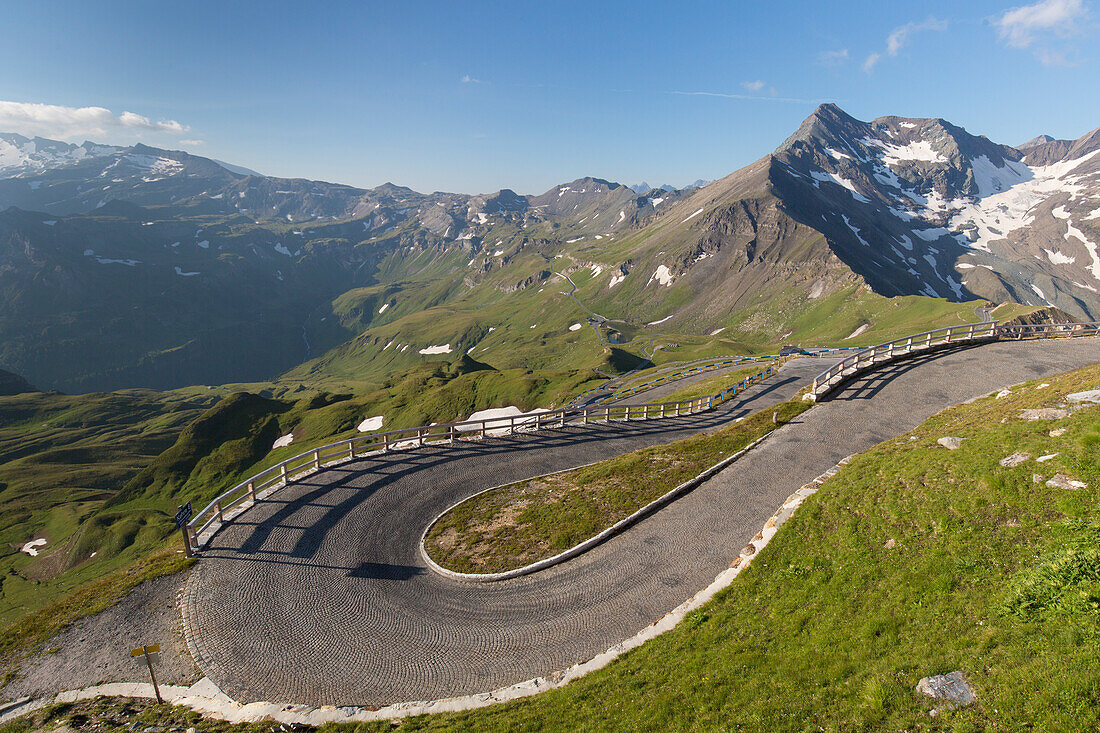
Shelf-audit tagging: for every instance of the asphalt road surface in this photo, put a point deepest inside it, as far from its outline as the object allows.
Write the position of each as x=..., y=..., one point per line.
x=319, y=595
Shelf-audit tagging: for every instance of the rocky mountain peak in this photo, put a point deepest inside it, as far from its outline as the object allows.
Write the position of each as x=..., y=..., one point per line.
x=1035, y=141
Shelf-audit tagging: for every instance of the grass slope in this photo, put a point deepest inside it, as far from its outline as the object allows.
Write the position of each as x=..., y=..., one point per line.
x=912, y=561
x=521, y=523
x=100, y=476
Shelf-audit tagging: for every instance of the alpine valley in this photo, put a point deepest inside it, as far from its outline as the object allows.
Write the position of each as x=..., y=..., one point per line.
x=140, y=267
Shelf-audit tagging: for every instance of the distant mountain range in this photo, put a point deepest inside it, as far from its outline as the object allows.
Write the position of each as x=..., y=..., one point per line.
x=136, y=266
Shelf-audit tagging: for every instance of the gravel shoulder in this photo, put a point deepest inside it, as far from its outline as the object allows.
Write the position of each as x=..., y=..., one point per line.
x=96, y=649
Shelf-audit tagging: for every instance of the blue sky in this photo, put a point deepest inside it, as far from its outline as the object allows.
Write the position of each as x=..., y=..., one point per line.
x=473, y=97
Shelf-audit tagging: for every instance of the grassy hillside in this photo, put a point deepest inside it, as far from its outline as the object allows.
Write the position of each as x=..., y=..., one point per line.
x=99, y=476
x=912, y=561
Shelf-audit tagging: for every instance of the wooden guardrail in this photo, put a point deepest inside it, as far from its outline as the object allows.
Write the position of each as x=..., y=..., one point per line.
x=678, y=374
x=242, y=496
x=867, y=358
x=229, y=504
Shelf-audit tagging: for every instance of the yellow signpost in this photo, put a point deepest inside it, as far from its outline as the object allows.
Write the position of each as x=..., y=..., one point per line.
x=146, y=651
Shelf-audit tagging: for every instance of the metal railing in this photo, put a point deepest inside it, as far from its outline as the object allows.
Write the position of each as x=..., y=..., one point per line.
x=231, y=503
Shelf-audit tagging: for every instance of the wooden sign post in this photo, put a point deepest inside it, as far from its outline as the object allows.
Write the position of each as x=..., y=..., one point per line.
x=146, y=651
x=183, y=516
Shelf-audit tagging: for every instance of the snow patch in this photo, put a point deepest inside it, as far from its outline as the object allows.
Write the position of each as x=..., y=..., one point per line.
x=283, y=441
x=657, y=323
x=718, y=331
x=181, y=273
x=855, y=231
x=841, y=181
x=1057, y=258
x=692, y=216
x=497, y=414
x=442, y=349
x=858, y=331
x=1040, y=293
x=616, y=279
x=31, y=548
x=50, y=222
x=931, y=235
x=205, y=244
x=371, y=423
x=105, y=261
x=662, y=275
x=576, y=327
x=281, y=249
x=920, y=150
x=1094, y=255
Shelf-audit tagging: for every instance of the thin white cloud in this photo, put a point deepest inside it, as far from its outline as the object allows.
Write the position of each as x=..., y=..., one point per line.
x=192, y=142
x=833, y=58
x=1053, y=58
x=53, y=120
x=1020, y=27
x=899, y=39
x=753, y=86
x=467, y=79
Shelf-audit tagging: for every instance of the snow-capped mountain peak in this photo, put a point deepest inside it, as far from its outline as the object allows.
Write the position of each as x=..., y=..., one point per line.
x=931, y=208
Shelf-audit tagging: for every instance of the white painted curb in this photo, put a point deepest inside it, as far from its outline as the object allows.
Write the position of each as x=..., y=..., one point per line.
x=204, y=697
x=586, y=545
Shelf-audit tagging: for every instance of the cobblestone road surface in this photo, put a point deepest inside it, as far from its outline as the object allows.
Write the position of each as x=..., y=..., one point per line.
x=319, y=595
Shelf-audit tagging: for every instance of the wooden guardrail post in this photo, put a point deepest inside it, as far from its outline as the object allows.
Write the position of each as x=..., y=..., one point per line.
x=317, y=459
x=252, y=490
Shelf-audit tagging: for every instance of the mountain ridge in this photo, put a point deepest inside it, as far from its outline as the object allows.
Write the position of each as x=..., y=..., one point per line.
x=178, y=262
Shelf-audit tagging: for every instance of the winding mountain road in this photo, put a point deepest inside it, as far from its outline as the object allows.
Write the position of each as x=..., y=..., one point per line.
x=318, y=595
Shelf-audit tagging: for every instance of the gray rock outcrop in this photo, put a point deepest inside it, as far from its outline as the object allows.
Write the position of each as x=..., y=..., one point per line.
x=952, y=689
